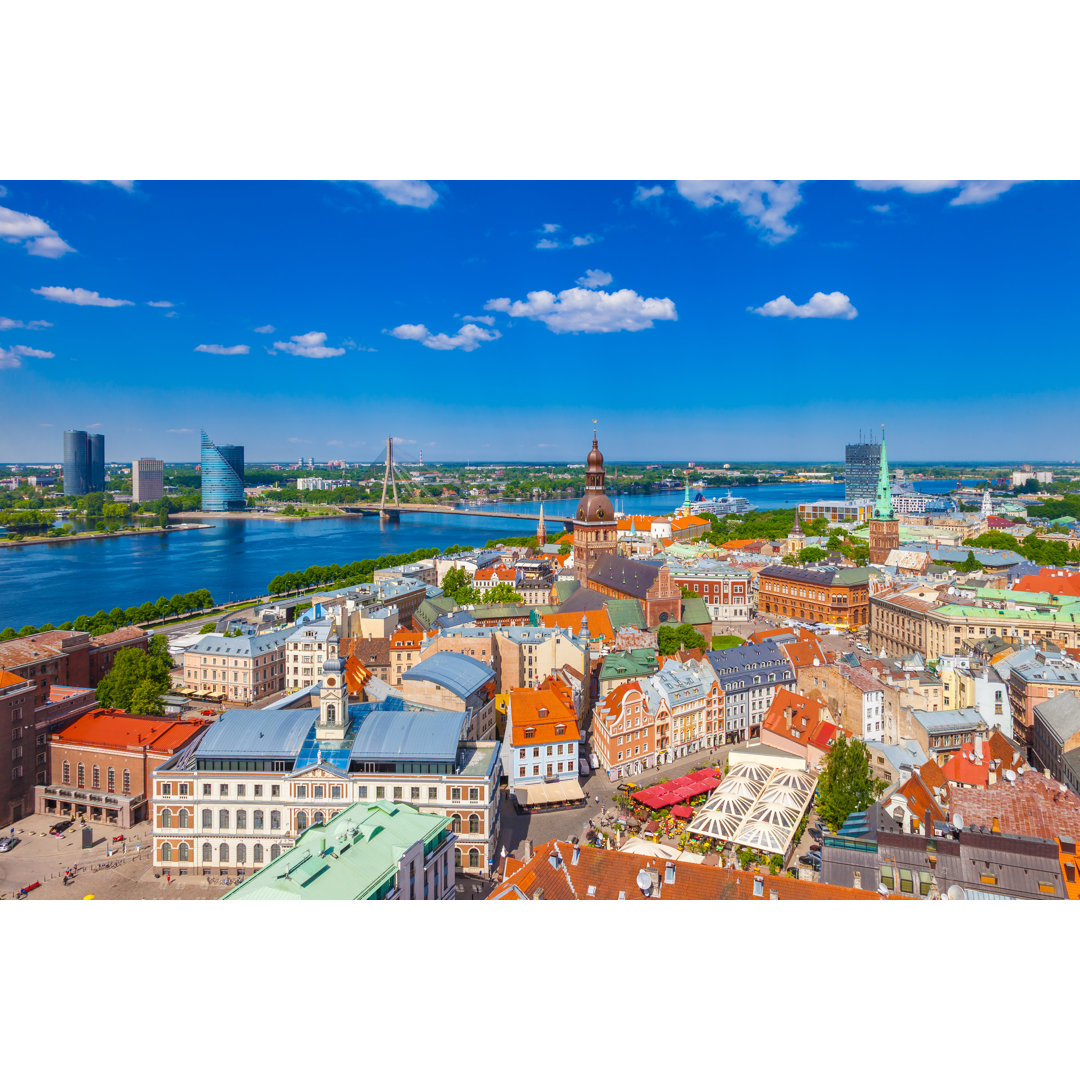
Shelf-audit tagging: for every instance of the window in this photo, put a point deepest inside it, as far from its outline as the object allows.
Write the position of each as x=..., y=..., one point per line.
x=223, y=819
x=184, y=821
x=241, y=853
x=166, y=819
x=455, y=823
x=318, y=791
x=166, y=789
x=521, y=753
x=275, y=791
x=335, y=791
x=433, y=794
x=887, y=877
x=275, y=851
x=361, y=791
x=474, y=823
x=96, y=782
x=257, y=820
x=258, y=791
x=67, y=772
x=301, y=791
x=455, y=794
x=318, y=818
x=301, y=821
x=257, y=853
x=206, y=788
x=183, y=853
x=380, y=791
x=241, y=790
x=275, y=819
x=207, y=853
x=907, y=881
x=223, y=791
x=521, y=770
x=457, y=858
x=414, y=794
x=166, y=852
x=474, y=794
x=926, y=881
x=110, y=777
x=397, y=794
x=474, y=857
x=208, y=819
x=241, y=820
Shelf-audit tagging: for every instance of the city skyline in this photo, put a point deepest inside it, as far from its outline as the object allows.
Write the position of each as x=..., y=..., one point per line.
x=728, y=321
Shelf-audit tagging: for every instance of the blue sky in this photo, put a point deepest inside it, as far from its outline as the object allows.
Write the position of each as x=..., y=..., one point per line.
x=717, y=320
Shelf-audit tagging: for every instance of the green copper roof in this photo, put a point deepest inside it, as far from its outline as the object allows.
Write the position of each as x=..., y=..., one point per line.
x=1068, y=613
x=354, y=856
x=632, y=664
x=883, y=506
x=695, y=612
x=624, y=612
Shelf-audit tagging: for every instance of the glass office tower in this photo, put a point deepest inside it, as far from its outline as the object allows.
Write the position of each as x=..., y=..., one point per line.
x=222, y=476
x=97, y=462
x=862, y=461
x=76, y=463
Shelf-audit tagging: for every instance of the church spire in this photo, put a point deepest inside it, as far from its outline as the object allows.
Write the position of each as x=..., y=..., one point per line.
x=883, y=506
x=541, y=528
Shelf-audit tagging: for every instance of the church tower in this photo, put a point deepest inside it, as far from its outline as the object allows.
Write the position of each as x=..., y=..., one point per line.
x=333, y=702
x=884, y=528
x=987, y=503
x=541, y=529
x=796, y=540
x=595, y=530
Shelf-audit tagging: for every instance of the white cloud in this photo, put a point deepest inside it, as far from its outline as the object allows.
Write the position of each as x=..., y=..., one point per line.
x=588, y=311
x=82, y=297
x=312, y=345
x=40, y=238
x=487, y=320
x=181, y=431
x=881, y=208
x=170, y=315
x=550, y=228
x=350, y=344
x=267, y=329
x=18, y=324
x=583, y=241
x=160, y=303
x=12, y=358
x=643, y=194
x=594, y=279
x=294, y=439
x=834, y=305
x=9, y=360
x=764, y=203
x=468, y=338
x=547, y=245
x=224, y=350
x=405, y=192
x=126, y=185
x=25, y=350
x=971, y=191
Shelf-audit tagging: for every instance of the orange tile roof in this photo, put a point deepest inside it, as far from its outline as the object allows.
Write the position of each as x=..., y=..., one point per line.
x=114, y=730
x=961, y=769
x=356, y=675
x=641, y=522
x=1052, y=581
x=685, y=522
x=931, y=773
x=613, y=701
x=737, y=545
x=502, y=573
x=599, y=623
x=611, y=874
x=406, y=639
x=920, y=799
x=791, y=712
x=555, y=700
x=7, y=679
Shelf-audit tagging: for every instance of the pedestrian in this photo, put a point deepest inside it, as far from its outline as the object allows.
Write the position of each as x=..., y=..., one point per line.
x=168, y=879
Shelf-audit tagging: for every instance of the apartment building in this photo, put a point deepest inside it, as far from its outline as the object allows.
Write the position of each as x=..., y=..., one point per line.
x=244, y=668
x=749, y=676
x=727, y=591
x=624, y=732
x=307, y=648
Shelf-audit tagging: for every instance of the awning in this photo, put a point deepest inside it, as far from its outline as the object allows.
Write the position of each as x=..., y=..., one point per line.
x=681, y=811
x=542, y=794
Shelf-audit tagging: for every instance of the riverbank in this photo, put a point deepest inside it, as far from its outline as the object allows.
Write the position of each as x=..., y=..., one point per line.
x=249, y=515
x=140, y=531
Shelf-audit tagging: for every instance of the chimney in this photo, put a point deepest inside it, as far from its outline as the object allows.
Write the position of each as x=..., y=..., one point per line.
x=978, y=748
x=928, y=823
x=528, y=850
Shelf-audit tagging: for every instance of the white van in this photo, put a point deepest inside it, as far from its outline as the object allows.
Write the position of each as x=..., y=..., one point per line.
x=583, y=767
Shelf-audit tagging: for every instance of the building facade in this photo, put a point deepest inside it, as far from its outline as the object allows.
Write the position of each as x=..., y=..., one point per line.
x=862, y=463
x=542, y=737
x=244, y=668
x=595, y=528
x=76, y=463
x=727, y=591
x=222, y=476
x=884, y=528
x=96, y=446
x=307, y=648
x=147, y=480
x=812, y=594
x=749, y=676
x=623, y=732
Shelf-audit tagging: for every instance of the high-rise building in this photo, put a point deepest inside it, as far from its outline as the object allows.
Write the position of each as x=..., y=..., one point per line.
x=97, y=462
x=861, y=464
x=147, y=480
x=76, y=463
x=222, y=475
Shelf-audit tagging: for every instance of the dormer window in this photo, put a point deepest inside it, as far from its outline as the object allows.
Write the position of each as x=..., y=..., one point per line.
x=560, y=729
x=530, y=732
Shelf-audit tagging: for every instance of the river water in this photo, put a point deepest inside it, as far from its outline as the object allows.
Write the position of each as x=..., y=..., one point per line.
x=52, y=583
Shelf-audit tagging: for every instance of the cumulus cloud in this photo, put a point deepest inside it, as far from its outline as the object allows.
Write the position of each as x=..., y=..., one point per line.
x=12, y=358
x=312, y=345
x=971, y=191
x=547, y=245
x=468, y=338
x=267, y=329
x=350, y=344
x=126, y=185
x=417, y=193
x=588, y=311
x=550, y=228
x=643, y=194
x=834, y=305
x=18, y=324
x=9, y=360
x=764, y=203
x=487, y=320
x=82, y=297
x=594, y=279
x=583, y=241
x=224, y=350
x=37, y=237
x=160, y=303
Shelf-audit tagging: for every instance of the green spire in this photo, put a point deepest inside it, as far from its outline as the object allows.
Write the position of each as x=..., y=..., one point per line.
x=883, y=507
x=686, y=500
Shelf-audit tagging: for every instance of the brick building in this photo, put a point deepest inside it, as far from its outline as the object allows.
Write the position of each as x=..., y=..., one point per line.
x=811, y=594
x=726, y=590
x=623, y=731
x=100, y=765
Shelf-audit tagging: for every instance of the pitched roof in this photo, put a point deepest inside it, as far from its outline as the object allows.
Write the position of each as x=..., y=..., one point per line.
x=542, y=712
x=1034, y=805
x=799, y=720
x=117, y=637
x=7, y=679
x=629, y=576
x=599, y=625
x=558, y=872
x=962, y=768
x=371, y=652
x=582, y=599
x=115, y=730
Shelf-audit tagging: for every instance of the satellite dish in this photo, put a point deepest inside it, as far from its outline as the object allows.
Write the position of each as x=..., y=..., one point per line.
x=955, y=892
x=958, y=821
x=644, y=882
x=883, y=889
x=1010, y=776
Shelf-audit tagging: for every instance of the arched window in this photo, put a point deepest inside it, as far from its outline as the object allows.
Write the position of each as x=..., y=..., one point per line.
x=111, y=777
x=208, y=819
x=257, y=820
x=301, y=821
x=67, y=772
x=331, y=714
x=183, y=853
x=184, y=820
x=127, y=782
x=223, y=819
x=275, y=819
x=257, y=855
x=474, y=823
x=96, y=774
x=207, y=853
x=457, y=858
x=166, y=819
x=166, y=852
x=456, y=823
x=275, y=851
x=81, y=774
x=318, y=819
x=474, y=857
x=241, y=853
x=223, y=853
x=241, y=820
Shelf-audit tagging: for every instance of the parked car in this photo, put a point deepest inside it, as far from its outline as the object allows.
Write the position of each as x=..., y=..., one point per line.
x=61, y=827
x=815, y=832
x=583, y=767
x=813, y=861
x=594, y=761
x=815, y=849
x=8, y=843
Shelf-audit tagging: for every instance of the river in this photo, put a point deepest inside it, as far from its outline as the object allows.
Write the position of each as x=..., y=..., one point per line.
x=53, y=583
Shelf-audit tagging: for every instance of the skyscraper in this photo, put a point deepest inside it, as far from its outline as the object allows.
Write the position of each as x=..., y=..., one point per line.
x=147, y=480
x=222, y=476
x=97, y=462
x=76, y=463
x=861, y=464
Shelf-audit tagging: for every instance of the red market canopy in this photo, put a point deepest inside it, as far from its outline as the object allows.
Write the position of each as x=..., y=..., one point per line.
x=676, y=791
x=680, y=811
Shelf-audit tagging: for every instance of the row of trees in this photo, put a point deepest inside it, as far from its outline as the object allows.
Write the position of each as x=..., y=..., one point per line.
x=103, y=622
x=457, y=584
x=358, y=572
x=1043, y=552
x=138, y=681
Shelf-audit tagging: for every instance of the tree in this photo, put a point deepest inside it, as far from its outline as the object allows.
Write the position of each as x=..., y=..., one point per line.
x=565, y=549
x=687, y=592
x=138, y=680
x=847, y=784
x=146, y=700
x=503, y=593
x=671, y=638
x=970, y=564
x=454, y=580
x=811, y=555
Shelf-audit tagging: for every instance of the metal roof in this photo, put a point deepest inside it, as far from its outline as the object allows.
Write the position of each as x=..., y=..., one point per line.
x=258, y=733
x=391, y=735
x=461, y=675
x=246, y=645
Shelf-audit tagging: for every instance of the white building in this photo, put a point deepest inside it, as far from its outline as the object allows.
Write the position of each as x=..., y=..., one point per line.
x=306, y=650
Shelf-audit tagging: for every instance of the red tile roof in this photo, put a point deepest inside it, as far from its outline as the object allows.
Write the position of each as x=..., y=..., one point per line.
x=7, y=679
x=612, y=874
x=598, y=622
x=111, y=729
x=961, y=768
x=1034, y=805
x=797, y=718
x=1062, y=583
x=117, y=637
x=556, y=701
x=920, y=799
